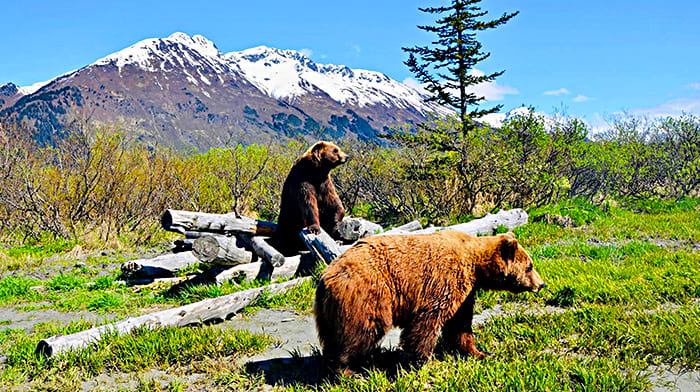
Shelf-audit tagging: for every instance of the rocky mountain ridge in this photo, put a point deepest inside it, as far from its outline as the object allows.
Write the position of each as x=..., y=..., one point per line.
x=183, y=92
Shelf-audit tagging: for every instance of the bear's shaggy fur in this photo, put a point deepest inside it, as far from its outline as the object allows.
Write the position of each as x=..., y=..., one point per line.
x=423, y=284
x=309, y=198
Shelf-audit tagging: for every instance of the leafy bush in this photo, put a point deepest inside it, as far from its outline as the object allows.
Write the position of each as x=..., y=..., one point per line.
x=98, y=183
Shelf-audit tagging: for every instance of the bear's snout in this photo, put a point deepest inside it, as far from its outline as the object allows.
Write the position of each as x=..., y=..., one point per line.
x=537, y=283
x=540, y=287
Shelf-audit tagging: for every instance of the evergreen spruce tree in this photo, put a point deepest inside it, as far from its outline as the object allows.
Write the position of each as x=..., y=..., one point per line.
x=444, y=66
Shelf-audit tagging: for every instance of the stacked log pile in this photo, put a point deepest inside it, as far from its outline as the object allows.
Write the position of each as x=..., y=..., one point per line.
x=238, y=245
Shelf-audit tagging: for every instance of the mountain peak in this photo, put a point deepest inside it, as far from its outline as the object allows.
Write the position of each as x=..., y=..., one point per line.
x=197, y=42
x=8, y=89
x=178, y=49
x=288, y=74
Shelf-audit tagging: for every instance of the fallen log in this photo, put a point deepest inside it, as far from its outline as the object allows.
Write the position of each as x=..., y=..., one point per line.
x=209, y=311
x=264, y=250
x=220, y=250
x=322, y=246
x=404, y=229
x=486, y=225
x=352, y=229
x=300, y=265
x=182, y=245
x=158, y=267
x=187, y=221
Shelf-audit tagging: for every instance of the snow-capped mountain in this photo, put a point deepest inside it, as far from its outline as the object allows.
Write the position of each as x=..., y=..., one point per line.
x=287, y=74
x=183, y=91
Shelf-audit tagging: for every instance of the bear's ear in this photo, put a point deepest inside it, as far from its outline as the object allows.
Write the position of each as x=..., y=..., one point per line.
x=316, y=151
x=508, y=247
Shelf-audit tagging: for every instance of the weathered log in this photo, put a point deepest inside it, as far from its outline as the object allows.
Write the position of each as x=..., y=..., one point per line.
x=264, y=250
x=486, y=225
x=322, y=246
x=352, y=229
x=194, y=234
x=182, y=245
x=404, y=229
x=184, y=221
x=220, y=249
x=300, y=265
x=160, y=266
x=209, y=311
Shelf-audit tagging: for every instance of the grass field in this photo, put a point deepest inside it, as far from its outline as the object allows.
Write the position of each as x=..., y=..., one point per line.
x=622, y=299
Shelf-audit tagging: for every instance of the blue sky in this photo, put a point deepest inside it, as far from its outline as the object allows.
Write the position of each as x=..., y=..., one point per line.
x=591, y=58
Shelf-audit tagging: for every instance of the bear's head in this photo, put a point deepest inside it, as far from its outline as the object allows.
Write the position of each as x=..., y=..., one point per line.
x=510, y=267
x=326, y=155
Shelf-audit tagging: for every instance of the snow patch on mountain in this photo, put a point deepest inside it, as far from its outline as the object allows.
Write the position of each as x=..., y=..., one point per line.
x=288, y=74
x=31, y=89
x=164, y=54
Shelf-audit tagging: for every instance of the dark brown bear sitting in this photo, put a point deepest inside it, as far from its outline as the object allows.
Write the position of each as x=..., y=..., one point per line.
x=309, y=199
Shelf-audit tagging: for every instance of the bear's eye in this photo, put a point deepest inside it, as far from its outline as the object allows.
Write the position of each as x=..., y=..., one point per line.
x=529, y=268
x=336, y=150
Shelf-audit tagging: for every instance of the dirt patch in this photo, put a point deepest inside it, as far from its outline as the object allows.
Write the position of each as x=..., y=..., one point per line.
x=666, y=243
x=665, y=379
x=27, y=320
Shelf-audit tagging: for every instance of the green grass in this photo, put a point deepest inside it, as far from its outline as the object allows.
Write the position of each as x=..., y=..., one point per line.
x=140, y=350
x=45, y=246
x=299, y=298
x=13, y=289
x=626, y=283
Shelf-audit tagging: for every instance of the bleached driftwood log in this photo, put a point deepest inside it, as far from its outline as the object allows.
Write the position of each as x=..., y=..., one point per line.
x=352, y=229
x=264, y=250
x=300, y=265
x=483, y=226
x=184, y=221
x=158, y=267
x=209, y=311
x=488, y=224
x=404, y=229
x=322, y=246
x=182, y=245
x=220, y=249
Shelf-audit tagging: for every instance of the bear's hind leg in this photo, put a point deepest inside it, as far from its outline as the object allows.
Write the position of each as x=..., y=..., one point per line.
x=457, y=331
x=362, y=338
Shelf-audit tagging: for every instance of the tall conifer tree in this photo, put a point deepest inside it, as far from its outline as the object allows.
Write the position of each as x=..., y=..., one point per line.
x=444, y=66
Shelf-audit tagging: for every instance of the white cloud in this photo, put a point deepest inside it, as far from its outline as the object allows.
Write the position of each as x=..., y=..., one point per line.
x=561, y=91
x=413, y=83
x=693, y=86
x=582, y=98
x=492, y=91
x=672, y=108
x=357, y=49
x=306, y=52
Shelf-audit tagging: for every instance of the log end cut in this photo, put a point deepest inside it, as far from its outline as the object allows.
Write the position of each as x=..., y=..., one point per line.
x=43, y=349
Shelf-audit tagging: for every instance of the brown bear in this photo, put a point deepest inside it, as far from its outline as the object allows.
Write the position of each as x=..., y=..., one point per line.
x=309, y=199
x=422, y=283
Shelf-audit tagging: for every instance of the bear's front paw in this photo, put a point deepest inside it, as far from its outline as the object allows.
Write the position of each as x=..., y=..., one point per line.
x=316, y=229
x=481, y=354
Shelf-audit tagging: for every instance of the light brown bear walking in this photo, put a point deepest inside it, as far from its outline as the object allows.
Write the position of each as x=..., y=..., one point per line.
x=423, y=284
